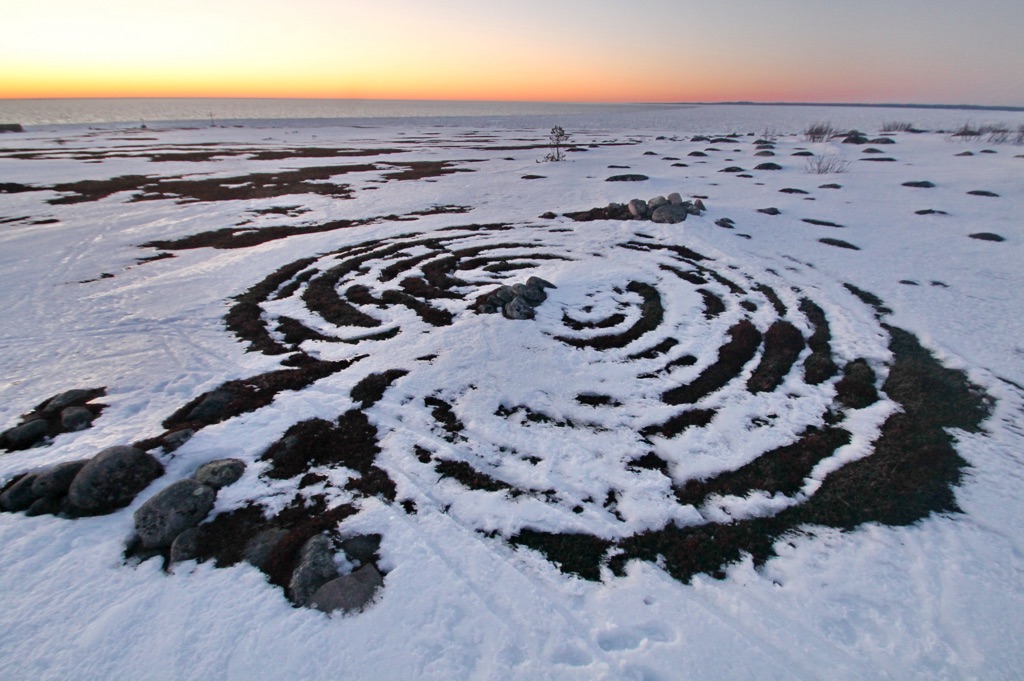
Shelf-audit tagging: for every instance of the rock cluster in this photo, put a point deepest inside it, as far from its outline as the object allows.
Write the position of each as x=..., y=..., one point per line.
x=66, y=412
x=516, y=301
x=105, y=483
x=665, y=210
x=163, y=521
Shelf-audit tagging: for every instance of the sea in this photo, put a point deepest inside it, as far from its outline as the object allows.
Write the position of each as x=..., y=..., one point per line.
x=710, y=118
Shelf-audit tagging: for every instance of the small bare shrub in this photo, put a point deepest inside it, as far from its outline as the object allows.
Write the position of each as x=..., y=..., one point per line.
x=820, y=132
x=558, y=138
x=827, y=164
x=897, y=126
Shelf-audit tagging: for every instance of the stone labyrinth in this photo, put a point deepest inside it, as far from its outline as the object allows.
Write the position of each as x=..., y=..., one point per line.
x=661, y=405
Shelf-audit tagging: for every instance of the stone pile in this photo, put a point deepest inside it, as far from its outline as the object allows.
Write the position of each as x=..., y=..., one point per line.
x=516, y=301
x=66, y=412
x=664, y=210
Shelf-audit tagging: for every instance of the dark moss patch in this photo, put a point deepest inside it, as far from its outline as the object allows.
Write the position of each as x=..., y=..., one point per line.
x=658, y=350
x=349, y=442
x=627, y=178
x=744, y=340
x=831, y=186
x=576, y=554
x=445, y=416
x=820, y=223
x=819, y=366
x=869, y=299
x=930, y=211
x=694, y=418
x=839, y=243
x=713, y=304
x=919, y=184
x=856, y=389
x=986, y=236
x=371, y=389
x=651, y=315
x=772, y=210
x=783, y=344
x=592, y=400
x=792, y=190
x=471, y=478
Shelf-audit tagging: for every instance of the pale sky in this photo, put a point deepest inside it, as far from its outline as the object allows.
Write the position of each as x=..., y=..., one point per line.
x=920, y=51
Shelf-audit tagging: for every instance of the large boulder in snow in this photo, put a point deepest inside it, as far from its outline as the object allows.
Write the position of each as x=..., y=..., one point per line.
x=19, y=496
x=112, y=479
x=26, y=435
x=54, y=482
x=316, y=567
x=670, y=213
x=171, y=511
x=220, y=473
x=350, y=592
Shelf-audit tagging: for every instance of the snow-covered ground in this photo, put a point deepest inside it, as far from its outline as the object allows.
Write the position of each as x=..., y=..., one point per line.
x=941, y=598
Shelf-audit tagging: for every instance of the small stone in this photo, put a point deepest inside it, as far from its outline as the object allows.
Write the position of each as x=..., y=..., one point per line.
x=44, y=506
x=919, y=184
x=537, y=282
x=19, y=496
x=68, y=398
x=259, y=548
x=211, y=408
x=768, y=166
x=111, y=479
x=769, y=211
x=220, y=473
x=638, y=208
x=176, y=439
x=699, y=206
x=675, y=198
x=26, y=435
x=533, y=295
x=316, y=567
x=361, y=548
x=171, y=511
x=518, y=308
x=75, y=418
x=652, y=204
x=185, y=546
x=349, y=593
x=54, y=482
x=505, y=294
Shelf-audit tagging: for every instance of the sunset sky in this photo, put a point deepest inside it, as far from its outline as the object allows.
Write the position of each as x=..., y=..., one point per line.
x=921, y=51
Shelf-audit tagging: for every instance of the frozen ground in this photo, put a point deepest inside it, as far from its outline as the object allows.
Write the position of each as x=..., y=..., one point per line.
x=551, y=419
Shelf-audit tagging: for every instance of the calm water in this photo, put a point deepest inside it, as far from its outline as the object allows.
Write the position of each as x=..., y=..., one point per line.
x=709, y=118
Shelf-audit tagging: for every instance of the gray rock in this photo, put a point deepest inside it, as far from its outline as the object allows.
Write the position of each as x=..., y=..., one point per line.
x=316, y=568
x=19, y=496
x=111, y=479
x=670, y=214
x=519, y=309
x=675, y=198
x=504, y=294
x=349, y=593
x=185, y=546
x=27, y=434
x=171, y=511
x=533, y=295
x=361, y=548
x=176, y=439
x=54, y=483
x=211, y=408
x=537, y=282
x=655, y=202
x=696, y=208
x=44, y=506
x=66, y=399
x=637, y=208
x=257, y=551
x=220, y=473
x=75, y=418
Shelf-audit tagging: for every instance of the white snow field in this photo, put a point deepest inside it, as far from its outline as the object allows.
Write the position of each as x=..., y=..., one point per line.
x=599, y=492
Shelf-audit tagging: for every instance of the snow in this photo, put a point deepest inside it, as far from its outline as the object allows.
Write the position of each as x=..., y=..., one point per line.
x=940, y=599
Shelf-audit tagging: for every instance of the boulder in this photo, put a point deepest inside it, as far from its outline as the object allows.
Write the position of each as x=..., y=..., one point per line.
x=670, y=214
x=675, y=198
x=361, y=548
x=44, y=506
x=349, y=593
x=185, y=546
x=220, y=473
x=258, y=550
x=652, y=204
x=111, y=479
x=519, y=308
x=19, y=496
x=537, y=282
x=68, y=398
x=316, y=567
x=75, y=418
x=176, y=439
x=637, y=208
x=171, y=511
x=212, y=407
x=27, y=434
x=54, y=483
